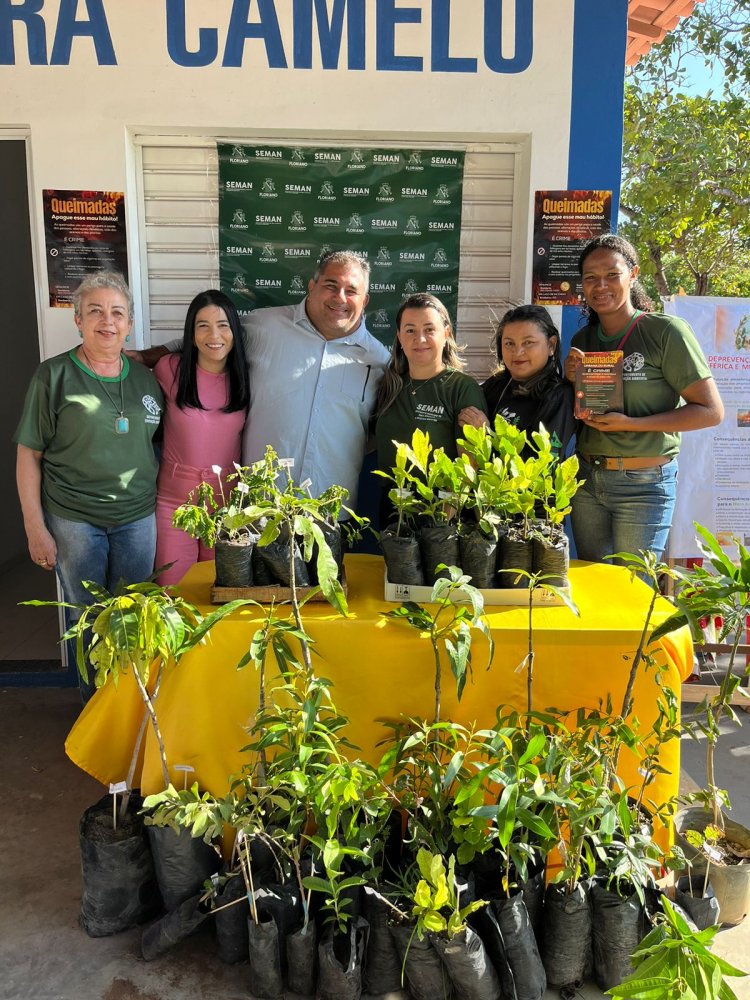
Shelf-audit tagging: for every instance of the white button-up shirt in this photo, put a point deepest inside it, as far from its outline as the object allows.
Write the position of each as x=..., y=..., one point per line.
x=310, y=398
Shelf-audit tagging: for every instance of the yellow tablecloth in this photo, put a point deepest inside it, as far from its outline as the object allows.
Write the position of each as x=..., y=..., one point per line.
x=381, y=670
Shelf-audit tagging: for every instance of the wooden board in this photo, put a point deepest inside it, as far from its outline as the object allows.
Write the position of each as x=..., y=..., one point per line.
x=266, y=595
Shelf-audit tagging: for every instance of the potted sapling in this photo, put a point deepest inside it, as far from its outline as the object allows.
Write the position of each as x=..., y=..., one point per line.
x=398, y=539
x=138, y=630
x=720, y=590
x=480, y=493
x=224, y=523
x=555, y=487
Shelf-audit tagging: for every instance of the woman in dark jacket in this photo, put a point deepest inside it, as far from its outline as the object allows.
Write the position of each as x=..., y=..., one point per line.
x=528, y=389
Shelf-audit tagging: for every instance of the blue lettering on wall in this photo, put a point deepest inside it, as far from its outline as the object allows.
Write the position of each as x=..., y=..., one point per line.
x=442, y=61
x=208, y=39
x=267, y=29
x=387, y=17
x=493, y=36
x=36, y=38
x=329, y=33
x=323, y=19
x=68, y=28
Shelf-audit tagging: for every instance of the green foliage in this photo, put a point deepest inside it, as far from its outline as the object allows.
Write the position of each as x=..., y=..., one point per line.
x=674, y=962
x=686, y=188
x=436, y=898
x=450, y=625
x=685, y=172
x=720, y=587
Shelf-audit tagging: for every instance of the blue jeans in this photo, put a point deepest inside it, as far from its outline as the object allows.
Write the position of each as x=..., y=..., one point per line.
x=103, y=555
x=624, y=511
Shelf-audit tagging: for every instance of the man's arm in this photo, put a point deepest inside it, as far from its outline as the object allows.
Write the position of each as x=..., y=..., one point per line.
x=150, y=356
x=42, y=547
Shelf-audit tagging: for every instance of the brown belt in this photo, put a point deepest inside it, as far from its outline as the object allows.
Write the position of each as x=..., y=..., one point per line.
x=620, y=464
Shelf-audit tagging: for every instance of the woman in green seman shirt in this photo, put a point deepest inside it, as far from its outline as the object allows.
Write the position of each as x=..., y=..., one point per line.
x=423, y=385
x=629, y=459
x=86, y=470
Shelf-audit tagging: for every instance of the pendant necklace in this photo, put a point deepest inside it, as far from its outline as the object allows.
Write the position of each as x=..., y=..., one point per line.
x=122, y=423
x=414, y=389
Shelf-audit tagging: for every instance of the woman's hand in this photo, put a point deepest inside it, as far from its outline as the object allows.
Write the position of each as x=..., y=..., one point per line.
x=610, y=422
x=471, y=415
x=570, y=363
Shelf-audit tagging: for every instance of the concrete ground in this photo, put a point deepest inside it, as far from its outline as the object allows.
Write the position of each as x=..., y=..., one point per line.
x=44, y=954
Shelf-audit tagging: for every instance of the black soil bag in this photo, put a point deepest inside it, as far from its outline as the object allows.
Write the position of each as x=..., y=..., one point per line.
x=302, y=959
x=382, y=965
x=181, y=863
x=231, y=922
x=513, y=553
x=471, y=972
x=402, y=557
x=702, y=907
x=280, y=903
x=266, y=980
x=180, y=923
x=119, y=887
x=275, y=555
x=618, y=925
x=438, y=543
x=509, y=939
x=234, y=562
x=552, y=556
x=425, y=975
x=566, y=949
x=478, y=556
x=340, y=963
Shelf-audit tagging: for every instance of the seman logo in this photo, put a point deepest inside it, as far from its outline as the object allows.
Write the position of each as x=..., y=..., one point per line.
x=151, y=406
x=633, y=362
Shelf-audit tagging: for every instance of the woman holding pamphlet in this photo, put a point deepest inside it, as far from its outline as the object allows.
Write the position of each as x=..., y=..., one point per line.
x=628, y=455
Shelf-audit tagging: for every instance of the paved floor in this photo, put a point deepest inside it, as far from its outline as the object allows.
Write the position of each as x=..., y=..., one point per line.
x=44, y=955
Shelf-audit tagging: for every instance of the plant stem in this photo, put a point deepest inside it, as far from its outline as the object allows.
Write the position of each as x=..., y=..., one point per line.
x=131, y=770
x=530, y=665
x=627, y=701
x=715, y=711
x=436, y=651
x=148, y=702
x=306, y=658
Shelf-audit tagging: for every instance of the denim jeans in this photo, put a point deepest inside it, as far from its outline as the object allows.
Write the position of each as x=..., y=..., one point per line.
x=103, y=555
x=624, y=511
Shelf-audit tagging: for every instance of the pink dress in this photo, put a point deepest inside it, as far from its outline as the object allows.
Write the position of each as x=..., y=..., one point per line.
x=194, y=441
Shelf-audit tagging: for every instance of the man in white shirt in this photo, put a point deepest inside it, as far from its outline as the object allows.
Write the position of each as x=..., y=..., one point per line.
x=314, y=374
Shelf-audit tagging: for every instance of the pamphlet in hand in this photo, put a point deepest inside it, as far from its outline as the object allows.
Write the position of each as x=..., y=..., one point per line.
x=598, y=384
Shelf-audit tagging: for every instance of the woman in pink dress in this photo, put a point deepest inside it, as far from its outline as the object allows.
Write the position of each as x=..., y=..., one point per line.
x=206, y=395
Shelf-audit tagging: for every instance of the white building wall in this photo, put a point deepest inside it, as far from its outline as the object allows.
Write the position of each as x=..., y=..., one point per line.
x=82, y=116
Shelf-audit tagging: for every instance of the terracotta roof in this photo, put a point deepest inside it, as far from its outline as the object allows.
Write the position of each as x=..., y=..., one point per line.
x=650, y=20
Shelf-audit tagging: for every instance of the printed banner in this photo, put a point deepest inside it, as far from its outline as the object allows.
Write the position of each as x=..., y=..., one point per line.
x=281, y=207
x=564, y=221
x=714, y=483
x=84, y=232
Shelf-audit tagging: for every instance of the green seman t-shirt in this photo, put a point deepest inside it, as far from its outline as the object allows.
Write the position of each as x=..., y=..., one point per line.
x=432, y=405
x=89, y=471
x=662, y=357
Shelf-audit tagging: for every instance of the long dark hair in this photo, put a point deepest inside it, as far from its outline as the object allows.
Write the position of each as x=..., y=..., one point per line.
x=616, y=244
x=239, y=383
x=537, y=315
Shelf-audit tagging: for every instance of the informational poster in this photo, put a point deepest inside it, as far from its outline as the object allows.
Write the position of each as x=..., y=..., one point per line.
x=84, y=232
x=564, y=221
x=281, y=207
x=714, y=463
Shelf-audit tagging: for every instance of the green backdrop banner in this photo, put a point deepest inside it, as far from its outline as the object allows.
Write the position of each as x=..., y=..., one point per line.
x=280, y=207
